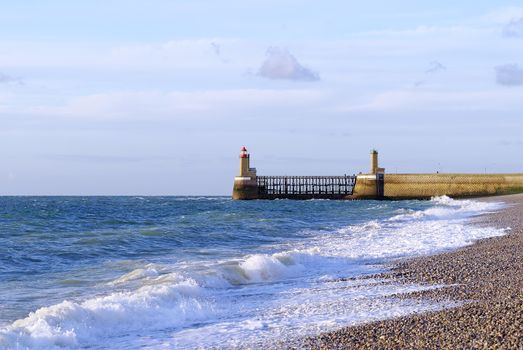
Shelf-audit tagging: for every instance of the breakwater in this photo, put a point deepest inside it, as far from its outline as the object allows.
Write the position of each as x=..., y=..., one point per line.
x=426, y=186
x=374, y=185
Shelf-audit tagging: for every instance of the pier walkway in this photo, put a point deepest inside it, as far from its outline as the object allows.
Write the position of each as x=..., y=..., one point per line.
x=305, y=187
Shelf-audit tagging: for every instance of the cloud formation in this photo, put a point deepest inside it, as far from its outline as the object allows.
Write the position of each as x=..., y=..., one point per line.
x=509, y=74
x=217, y=50
x=281, y=64
x=428, y=100
x=5, y=79
x=435, y=67
x=514, y=29
x=179, y=105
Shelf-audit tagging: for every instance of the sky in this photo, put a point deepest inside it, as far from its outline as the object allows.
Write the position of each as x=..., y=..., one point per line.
x=125, y=97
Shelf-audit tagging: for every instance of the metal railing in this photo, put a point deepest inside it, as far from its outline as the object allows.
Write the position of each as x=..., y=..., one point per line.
x=305, y=186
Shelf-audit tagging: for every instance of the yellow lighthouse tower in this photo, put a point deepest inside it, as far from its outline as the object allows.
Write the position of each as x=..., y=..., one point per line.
x=245, y=170
x=374, y=169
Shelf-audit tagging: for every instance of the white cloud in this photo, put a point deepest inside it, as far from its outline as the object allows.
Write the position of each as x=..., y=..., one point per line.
x=281, y=64
x=189, y=53
x=9, y=79
x=441, y=100
x=435, y=67
x=217, y=50
x=209, y=104
x=509, y=74
x=502, y=15
x=514, y=29
x=186, y=78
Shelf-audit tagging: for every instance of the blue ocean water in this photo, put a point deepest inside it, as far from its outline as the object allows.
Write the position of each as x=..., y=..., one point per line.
x=201, y=272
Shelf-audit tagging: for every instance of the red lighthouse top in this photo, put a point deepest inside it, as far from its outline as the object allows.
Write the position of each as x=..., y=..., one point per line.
x=244, y=153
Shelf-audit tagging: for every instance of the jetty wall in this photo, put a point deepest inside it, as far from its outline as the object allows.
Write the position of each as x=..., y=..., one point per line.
x=419, y=186
x=245, y=188
x=365, y=188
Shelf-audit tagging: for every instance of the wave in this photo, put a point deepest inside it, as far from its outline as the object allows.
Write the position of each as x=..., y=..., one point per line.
x=445, y=207
x=440, y=227
x=71, y=324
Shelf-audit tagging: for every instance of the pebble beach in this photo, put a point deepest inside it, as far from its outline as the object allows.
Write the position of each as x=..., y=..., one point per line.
x=486, y=278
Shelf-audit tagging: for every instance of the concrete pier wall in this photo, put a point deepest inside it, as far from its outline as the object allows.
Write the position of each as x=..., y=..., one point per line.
x=244, y=188
x=420, y=186
x=425, y=186
x=365, y=187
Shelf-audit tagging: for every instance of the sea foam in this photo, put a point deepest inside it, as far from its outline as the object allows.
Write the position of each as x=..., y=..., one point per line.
x=70, y=324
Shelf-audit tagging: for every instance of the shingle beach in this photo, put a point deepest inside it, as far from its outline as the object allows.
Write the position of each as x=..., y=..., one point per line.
x=487, y=277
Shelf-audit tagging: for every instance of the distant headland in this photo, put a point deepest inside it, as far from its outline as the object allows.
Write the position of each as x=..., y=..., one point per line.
x=373, y=185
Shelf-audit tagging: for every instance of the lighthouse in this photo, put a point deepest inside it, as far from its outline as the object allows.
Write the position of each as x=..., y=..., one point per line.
x=244, y=162
x=374, y=169
x=245, y=184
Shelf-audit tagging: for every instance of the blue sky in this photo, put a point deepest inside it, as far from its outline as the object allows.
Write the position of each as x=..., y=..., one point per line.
x=127, y=97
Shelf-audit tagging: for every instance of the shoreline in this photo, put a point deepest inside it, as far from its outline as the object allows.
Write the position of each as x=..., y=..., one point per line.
x=487, y=277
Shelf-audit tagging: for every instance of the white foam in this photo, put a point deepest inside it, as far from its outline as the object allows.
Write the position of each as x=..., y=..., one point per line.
x=298, y=312
x=448, y=208
x=259, y=268
x=439, y=227
x=71, y=324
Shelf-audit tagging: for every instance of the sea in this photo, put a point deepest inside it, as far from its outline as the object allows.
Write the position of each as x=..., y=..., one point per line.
x=210, y=272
